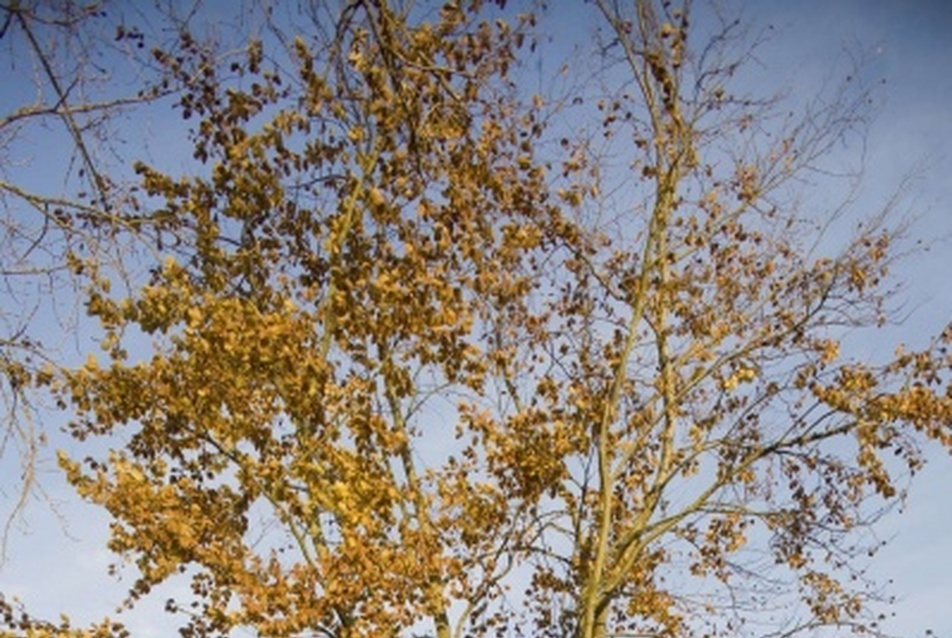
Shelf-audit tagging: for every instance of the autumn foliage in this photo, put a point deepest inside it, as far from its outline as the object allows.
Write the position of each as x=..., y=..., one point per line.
x=479, y=375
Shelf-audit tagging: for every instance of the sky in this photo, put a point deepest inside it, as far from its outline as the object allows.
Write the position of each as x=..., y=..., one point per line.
x=911, y=50
x=57, y=560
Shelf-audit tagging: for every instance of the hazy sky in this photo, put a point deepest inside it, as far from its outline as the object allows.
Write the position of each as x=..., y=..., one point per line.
x=909, y=45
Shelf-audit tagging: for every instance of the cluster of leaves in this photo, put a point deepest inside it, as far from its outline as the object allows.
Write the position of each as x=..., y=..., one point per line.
x=65, y=193
x=446, y=362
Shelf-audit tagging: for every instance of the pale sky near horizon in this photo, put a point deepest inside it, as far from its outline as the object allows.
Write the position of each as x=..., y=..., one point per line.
x=909, y=44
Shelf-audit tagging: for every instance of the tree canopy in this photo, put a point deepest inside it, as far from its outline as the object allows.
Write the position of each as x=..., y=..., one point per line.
x=491, y=361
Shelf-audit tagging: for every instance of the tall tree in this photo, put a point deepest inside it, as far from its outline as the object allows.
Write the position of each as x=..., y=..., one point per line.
x=476, y=377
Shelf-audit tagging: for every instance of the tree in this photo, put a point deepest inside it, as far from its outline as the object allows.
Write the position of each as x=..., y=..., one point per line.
x=474, y=376
x=75, y=61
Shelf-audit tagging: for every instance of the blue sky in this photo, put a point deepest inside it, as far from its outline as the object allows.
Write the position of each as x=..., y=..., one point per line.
x=909, y=45
x=912, y=51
